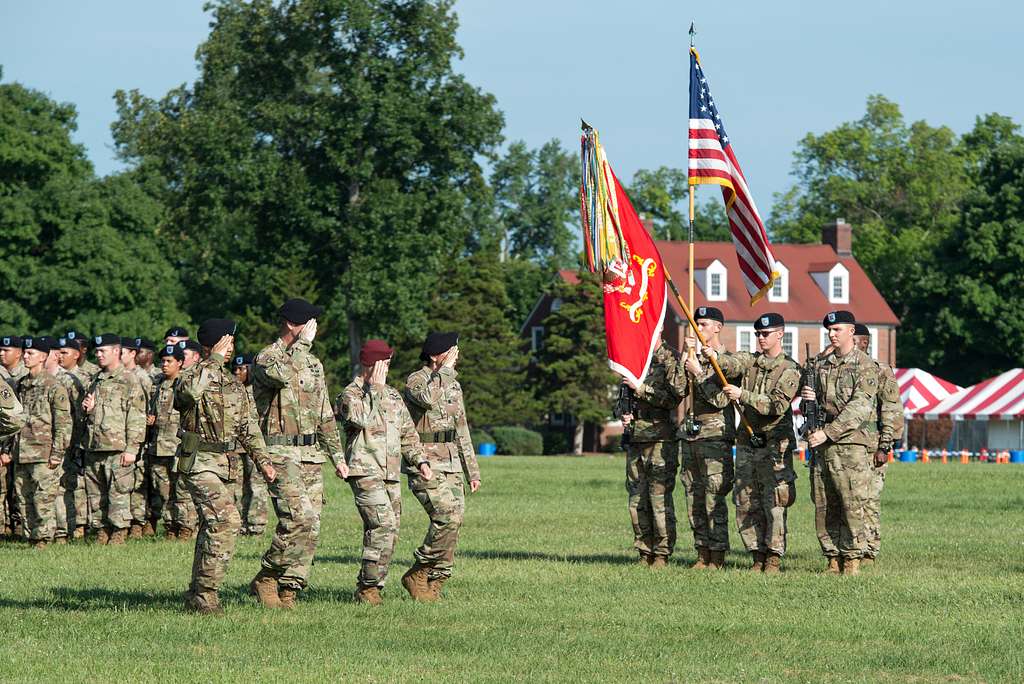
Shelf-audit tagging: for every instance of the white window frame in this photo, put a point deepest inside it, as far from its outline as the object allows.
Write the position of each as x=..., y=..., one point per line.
x=740, y=329
x=823, y=339
x=874, y=342
x=556, y=304
x=841, y=272
x=783, y=282
x=536, y=344
x=716, y=267
x=795, y=355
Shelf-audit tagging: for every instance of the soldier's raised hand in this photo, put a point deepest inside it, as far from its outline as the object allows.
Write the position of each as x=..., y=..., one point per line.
x=451, y=357
x=223, y=346
x=308, y=332
x=379, y=374
x=89, y=403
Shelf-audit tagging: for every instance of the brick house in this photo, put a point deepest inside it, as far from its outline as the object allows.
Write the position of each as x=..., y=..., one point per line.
x=814, y=279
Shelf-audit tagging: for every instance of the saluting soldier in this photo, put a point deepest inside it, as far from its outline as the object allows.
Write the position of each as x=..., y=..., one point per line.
x=216, y=415
x=652, y=457
x=380, y=436
x=434, y=398
x=765, y=479
x=890, y=432
x=841, y=473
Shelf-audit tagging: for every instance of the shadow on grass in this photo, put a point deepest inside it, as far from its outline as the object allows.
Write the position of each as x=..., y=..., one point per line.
x=591, y=558
x=66, y=598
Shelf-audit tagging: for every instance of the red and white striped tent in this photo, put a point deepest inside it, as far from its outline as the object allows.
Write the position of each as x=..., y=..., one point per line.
x=920, y=390
x=1001, y=397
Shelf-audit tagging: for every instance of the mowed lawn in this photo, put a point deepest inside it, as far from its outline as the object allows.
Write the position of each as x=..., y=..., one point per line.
x=546, y=588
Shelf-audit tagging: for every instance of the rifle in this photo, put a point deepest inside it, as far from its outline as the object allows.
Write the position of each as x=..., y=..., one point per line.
x=812, y=413
x=627, y=403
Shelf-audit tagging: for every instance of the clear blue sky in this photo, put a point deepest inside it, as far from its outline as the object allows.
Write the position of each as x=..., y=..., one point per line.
x=778, y=70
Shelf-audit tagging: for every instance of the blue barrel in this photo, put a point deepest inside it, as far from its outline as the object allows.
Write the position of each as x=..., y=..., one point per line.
x=908, y=455
x=486, y=449
x=1017, y=457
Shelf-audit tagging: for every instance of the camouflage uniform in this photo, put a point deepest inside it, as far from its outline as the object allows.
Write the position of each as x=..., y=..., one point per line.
x=139, y=496
x=707, y=473
x=72, y=506
x=765, y=479
x=12, y=516
x=116, y=425
x=435, y=402
x=252, y=495
x=216, y=414
x=169, y=499
x=847, y=387
x=890, y=429
x=88, y=367
x=12, y=412
x=380, y=434
x=299, y=428
x=43, y=442
x=652, y=457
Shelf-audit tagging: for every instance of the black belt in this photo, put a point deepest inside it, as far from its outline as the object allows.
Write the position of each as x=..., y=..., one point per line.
x=651, y=414
x=218, y=447
x=291, y=440
x=438, y=437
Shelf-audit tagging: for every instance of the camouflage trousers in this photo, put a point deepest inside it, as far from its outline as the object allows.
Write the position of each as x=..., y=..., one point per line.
x=840, y=484
x=37, y=485
x=139, y=497
x=293, y=543
x=72, y=504
x=184, y=515
x=169, y=499
x=218, y=529
x=6, y=473
x=873, y=511
x=252, y=501
x=380, y=506
x=650, y=479
x=443, y=497
x=707, y=476
x=313, y=481
x=108, y=485
x=765, y=489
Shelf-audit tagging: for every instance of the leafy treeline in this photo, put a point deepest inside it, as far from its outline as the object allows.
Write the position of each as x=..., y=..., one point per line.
x=329, y=149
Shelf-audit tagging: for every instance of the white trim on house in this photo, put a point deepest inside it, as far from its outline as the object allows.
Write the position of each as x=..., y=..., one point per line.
x=781, y=284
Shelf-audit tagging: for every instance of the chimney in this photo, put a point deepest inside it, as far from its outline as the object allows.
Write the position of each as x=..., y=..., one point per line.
x=839, y=235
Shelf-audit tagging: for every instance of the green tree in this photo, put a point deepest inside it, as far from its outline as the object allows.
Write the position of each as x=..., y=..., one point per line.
x=662, y=195
x=332, y=139
x=572, y=365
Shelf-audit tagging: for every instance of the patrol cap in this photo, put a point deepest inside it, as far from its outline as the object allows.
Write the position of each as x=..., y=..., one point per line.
x=13, y=341
x=837, y=317
x=710, y=313
x=44, y=343
x=106, y=340
x=172, y=350
x=241, y=360
x=129, y=343
x=769, y=320
x=861, y=329
x=176, y=331
x=438, y=343
x=213, y=329
x=374, y=351
x=65, y=343
x=299, y=311
x=184, y=345
x=143, y=343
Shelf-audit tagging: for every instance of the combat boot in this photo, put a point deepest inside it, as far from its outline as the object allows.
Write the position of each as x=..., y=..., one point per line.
x=118, y=537
x=288, y=597
x=370, y=595
x=135, y=531
x=79, y=532
x=434, y=587
x=867, y=562
x=39, y=545
x=645, y=559
x=60, y=540
x=204, y=603
x=170, y=533
x=759, y=560
x=264, y=588
x=659, y=562
x=851, y=566
x=185, y=533
x=703, y=559
x=415, y=581
x=773, y=564
x=716, y=560
x=149, y=529
x=102, y=536
x=833, y=566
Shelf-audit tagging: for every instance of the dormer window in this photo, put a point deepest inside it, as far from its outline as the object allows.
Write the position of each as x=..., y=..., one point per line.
x=716, y=285
x=839, y=285
x=780, y=289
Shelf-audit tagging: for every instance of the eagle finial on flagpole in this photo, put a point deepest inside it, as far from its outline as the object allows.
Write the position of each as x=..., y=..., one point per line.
x=693, y=32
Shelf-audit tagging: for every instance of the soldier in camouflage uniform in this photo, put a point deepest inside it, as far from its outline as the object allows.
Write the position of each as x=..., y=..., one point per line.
x=890, y=431
x=252, y=497
x=10, y=355
x=165, y=502
x=12, y=412
x=652, y=457
x=707, y=468
x=216, y=414
x=380, y=435
x=89, y=368
x=186, y=516
x=43, y=442
x=847, y=389
x=130, y=348
x=299, y=427
x=115, y=429
x=72, y=504
x=435, y=402
x=765, y=479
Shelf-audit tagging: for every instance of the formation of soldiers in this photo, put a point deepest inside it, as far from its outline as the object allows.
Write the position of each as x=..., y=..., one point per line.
x=861, y=417
x=205, y=441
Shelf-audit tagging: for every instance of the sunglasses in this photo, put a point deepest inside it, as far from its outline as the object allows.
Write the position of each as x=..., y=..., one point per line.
x=764, y=333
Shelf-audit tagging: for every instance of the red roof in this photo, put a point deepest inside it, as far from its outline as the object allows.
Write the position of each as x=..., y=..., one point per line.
x=569, y=275
x=807, y=303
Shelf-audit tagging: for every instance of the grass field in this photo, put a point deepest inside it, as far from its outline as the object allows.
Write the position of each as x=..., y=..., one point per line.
x=546, y=589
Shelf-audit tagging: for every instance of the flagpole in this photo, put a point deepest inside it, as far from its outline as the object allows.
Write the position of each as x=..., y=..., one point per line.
x=691, y=352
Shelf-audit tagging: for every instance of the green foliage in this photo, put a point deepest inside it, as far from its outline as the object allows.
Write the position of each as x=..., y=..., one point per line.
x=479, y=437
x=572, y=373
x=472, y=301
x=517, y=441
x=329, y=141
x=662, y=195
x=556, y=440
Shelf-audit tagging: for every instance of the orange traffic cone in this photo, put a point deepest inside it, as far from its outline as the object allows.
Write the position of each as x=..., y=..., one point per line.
x=945, y=456
x=965, y=456
x=924, y=456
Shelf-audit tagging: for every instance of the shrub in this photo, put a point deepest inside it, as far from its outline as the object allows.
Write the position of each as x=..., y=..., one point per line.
x=517, y=441
x=480, y=437
x=556, y=440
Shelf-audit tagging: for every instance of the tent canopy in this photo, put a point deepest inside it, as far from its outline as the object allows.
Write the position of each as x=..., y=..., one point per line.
x=920, y=390
x=998, y=398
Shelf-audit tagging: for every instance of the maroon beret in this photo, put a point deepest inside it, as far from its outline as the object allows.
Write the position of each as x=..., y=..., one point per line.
x=374, y=351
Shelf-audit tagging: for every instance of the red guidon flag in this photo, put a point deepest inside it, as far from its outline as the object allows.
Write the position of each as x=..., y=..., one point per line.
x=620, y=248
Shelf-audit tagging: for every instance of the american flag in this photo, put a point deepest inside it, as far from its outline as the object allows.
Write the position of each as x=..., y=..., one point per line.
x=712, y=162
